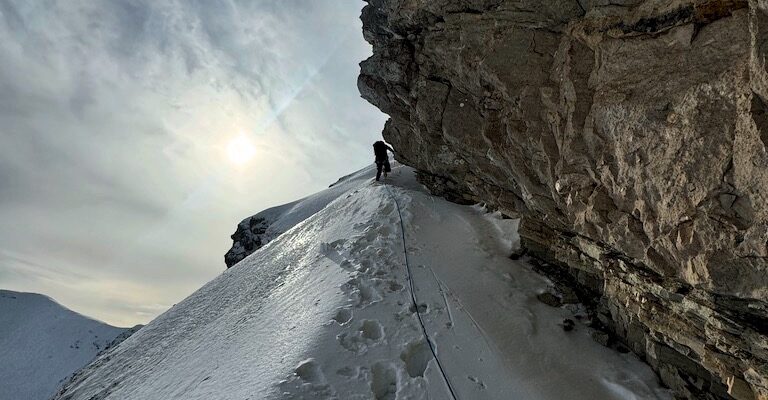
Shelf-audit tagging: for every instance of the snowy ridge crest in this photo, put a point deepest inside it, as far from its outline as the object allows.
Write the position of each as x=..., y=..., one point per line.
x=256, y=231
x=325, y=311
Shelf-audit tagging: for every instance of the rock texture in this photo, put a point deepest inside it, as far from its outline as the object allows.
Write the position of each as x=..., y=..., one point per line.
x=631, y=137
x=250, y=235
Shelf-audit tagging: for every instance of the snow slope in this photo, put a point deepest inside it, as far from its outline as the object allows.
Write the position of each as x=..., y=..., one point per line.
x=42, y=343
x=325, y=311
x=276, y=220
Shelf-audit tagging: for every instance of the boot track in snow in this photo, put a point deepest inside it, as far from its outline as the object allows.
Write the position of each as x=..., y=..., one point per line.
x=415, y=302
x=328, y=310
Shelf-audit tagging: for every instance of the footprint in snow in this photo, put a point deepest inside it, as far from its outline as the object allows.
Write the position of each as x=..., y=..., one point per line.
x=309, y=371
x=369, y=333
x=372, y=330
x=384, y=382
x=343, y=315
x=370, y=234
x=307, y=381
x=364, y=295
x=416, y=357
x=348, y=372
x=394, y=286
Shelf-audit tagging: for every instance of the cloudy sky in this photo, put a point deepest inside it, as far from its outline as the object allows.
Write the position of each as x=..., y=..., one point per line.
x=125, y=131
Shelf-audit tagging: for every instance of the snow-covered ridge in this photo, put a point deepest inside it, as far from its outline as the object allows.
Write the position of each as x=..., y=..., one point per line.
x=43, y=342
x=325, y=311
x=256, y=231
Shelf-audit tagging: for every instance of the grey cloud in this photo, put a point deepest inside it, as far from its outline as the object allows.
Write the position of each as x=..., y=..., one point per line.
x=112, y=119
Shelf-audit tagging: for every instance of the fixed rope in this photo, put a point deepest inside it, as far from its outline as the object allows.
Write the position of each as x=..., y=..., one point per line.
x=413, y=298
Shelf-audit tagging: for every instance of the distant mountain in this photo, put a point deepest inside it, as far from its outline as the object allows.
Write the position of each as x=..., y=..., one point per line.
x=42, y=343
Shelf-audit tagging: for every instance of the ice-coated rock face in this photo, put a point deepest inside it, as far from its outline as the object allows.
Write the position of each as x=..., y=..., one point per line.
x=631, y=136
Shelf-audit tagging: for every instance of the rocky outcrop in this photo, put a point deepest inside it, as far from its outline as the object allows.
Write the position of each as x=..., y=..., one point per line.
x=631, y=136
x=250, y=235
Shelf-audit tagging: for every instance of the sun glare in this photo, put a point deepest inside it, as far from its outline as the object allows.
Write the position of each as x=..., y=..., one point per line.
x=240, y=150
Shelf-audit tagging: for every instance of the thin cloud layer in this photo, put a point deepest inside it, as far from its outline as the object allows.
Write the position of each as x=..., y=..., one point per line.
x=116, y=193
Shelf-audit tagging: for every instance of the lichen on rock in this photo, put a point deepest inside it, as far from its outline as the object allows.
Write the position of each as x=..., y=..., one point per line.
x=630, y=136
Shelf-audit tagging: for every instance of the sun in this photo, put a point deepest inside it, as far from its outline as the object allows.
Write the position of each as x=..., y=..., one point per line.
x=240, y=150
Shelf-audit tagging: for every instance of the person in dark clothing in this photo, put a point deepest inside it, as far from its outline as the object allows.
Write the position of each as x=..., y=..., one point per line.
x=382, y=158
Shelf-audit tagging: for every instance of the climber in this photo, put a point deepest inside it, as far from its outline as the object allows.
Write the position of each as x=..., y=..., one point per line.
x=382, y=158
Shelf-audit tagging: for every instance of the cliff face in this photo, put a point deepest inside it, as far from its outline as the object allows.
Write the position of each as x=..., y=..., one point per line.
x=631, y=136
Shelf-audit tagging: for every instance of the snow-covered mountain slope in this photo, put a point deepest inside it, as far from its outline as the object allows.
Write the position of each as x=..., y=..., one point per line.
x=42, y=343
x=258, y=230
x=325, y=311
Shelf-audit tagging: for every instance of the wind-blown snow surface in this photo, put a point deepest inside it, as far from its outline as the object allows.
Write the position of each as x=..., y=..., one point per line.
x=283, y=217
x=42, y=342
x=324, y=311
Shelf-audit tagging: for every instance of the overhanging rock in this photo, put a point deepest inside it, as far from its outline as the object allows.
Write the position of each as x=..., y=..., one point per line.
x=631, y=136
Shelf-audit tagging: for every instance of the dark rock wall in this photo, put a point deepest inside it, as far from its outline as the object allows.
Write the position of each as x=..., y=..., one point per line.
x=250, y=235
x=631, y=137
